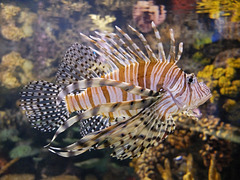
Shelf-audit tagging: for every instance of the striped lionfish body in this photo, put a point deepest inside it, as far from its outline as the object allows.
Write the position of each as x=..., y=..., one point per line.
x=120, y=96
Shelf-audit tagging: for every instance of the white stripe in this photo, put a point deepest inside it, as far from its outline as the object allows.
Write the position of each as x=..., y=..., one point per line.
x=86, y=98
x=112, y=94
x=81, y=100
x=95, y=96
x=74, y=102
x=102, y=97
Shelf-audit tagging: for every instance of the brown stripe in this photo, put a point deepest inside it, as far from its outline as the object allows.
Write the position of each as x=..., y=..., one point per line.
x=89, y=94
x=67, y=104
x=149, y=72
x=106, y=94
x=122, y=74
x=163, y=75
x=184, y=87
x=76, y=96
x=176, y=78
x=124, y=95
x=140, y=76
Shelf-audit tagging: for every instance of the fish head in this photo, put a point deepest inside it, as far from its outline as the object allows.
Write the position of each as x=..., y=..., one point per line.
x=199, y=92
x=190, y=93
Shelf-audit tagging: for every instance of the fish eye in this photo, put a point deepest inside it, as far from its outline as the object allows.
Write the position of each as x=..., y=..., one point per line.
x=190, y=78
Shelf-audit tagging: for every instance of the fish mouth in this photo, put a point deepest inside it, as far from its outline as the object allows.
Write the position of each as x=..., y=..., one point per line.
x=206, y=91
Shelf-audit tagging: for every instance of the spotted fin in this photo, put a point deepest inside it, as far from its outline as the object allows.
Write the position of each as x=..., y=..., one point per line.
x=38, y=99
x=93, y=124
x=79, y=62
x=128, y=138
x=102, y=109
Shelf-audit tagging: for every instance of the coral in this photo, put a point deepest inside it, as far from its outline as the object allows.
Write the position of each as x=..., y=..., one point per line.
x=213, y=174
x=220, y=149
x=9, y=11
x=18, y=27
x=180, y=139
x=201, y=39
x=166, y=171
x=9, y=135
x=64, y=9
x=229, y=104
x=179, y=6
x=217, y=8
x=222, y=80
x=215, y=139
x=22, y=151
x=7, y=165
x=60, y=177
x=230, y=73
x=210, y=126
x=12, y=32
x=26, y=19
x=15, y=30
x=15, y=70
x=207, y=72
x=189, y=171
x=146, y=165
x=199, y=57
x=234, y=62
x=102, y=23
x=115, y=4
x=18, y=176
x=218, y=72
x=144, y=12
x=231, y=91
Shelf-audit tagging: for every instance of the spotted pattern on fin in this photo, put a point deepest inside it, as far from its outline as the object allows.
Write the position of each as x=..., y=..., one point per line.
x=79, y=63
x=128, y=138
x=93, y=124
x=38, y=99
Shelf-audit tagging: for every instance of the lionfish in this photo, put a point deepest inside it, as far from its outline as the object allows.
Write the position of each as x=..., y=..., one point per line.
x=122, y=97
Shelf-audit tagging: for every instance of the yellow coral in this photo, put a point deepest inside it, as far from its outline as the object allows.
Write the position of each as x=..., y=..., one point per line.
x=215, y=96
x=230, y=72
x=224, y=82
x=206, y=73
x=10, y=75
x=217, y=8
x=233, y=62
x=229, y=104
x=189, y=172
x=231, y=91
x=217, y=73
x=9, y=81
x=236, y=83
x=15, y=32
x=166, y=171
x=27, y=18
x=9, y=11
x=102, y=23
x=12, y=32
x=213, y=174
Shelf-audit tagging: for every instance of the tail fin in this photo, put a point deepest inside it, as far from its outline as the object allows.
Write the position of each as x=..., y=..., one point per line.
x=38, y=99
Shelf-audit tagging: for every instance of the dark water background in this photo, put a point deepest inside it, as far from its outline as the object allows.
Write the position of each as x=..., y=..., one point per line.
x=34, y=37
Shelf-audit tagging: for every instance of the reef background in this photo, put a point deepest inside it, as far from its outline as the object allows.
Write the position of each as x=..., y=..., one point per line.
x=34, y=36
